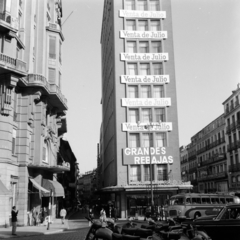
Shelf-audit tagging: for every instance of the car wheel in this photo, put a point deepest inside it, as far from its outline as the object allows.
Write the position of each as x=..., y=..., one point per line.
x=197, y=215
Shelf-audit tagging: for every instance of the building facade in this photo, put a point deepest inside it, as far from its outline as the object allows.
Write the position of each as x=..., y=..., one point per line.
x=32, y=106
x=232, y=123
x=139, y=106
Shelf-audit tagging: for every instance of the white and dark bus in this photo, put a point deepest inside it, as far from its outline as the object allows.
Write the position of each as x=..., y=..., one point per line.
x=194, y=205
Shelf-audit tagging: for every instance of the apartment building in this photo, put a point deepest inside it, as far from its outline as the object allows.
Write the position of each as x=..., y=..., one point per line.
x=139, y=106
x=184, y=163
x=232, y=123
x=212, y=158
x=33, y=108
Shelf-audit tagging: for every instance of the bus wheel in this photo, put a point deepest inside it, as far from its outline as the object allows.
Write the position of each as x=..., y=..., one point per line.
x=197, y=215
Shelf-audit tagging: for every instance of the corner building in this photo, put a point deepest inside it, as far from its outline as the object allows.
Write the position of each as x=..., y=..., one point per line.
x=139, y=106
x=32, y=107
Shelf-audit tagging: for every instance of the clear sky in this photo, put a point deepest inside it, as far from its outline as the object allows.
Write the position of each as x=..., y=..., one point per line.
x=207, y=63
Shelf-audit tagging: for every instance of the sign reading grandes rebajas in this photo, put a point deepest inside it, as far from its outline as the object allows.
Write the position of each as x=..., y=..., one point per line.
x=143, y=34
x=144, y=57
x=159, y=79
x=144, y=102
x=142, y=14
x=158, y=155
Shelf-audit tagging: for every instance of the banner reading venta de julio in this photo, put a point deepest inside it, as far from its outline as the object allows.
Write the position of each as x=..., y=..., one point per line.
x=158, y=155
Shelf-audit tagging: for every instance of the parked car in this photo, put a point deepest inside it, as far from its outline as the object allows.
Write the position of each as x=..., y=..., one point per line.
x=226, y=225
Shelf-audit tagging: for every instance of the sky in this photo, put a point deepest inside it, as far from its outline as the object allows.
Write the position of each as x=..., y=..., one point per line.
x=207, y=67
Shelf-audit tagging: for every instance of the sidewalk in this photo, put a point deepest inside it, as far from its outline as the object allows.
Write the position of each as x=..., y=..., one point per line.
x=25, y=231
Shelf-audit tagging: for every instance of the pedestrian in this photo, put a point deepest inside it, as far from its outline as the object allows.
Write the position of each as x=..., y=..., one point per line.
x=14, y=220
x=34, y=216
x=63, y=214
x=115, y=214
x=103, y=217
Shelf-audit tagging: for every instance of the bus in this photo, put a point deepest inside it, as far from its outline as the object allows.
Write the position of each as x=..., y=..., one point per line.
x=194, y=205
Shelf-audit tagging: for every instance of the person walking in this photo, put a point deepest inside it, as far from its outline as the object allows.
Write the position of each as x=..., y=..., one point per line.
x=63, y=214
x=103, y=217
x=14, y=220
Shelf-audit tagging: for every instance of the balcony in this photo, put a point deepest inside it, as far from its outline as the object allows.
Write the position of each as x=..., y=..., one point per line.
x=64, y=166
x=233, y=127
x=56, y=97
x=9, y=65
x=8, y=23
x=234, y=167
x=53, y=27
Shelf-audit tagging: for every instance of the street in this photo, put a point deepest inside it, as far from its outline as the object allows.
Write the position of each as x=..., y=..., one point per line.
x=78, y=228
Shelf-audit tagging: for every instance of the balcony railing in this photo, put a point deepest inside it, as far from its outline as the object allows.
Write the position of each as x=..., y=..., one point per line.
x=13, y=63
x=40, y=80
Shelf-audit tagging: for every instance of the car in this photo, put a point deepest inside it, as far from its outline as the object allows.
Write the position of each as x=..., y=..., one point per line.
x=225, y=225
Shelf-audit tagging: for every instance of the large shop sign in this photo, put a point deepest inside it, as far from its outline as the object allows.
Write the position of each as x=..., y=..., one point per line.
x=142, y=14
x=159, y=79
x=162, y=127
x=146, y=102
x=143, y=34
x=136, y=156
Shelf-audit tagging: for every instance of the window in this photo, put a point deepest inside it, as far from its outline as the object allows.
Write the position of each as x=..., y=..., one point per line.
x=156, y=47
x=146, y=115
x=133, y=115
x=142, y=25
x=160, y=139
x=157, y=69
x=15, y=107
x=144, y=69
x=59, y=80
x=162, y=172
x=133, y=91
x=155, y=25
x=135, y=174
x=131, y=47
x=52, y=47
x=145, y=91
x=143, y=47
x=60, y=51
x=206, y=200
x=147, y=140
x=142, y=5
x=130, y=5
x=131, y=25
x=154, y=5
x=147, y=172
x=158, y=91
x=51, y=75
x=14, y=133
x=132, y=68
x=159, y=114
x=45, y=152
x=134, y=141
x=196, y=200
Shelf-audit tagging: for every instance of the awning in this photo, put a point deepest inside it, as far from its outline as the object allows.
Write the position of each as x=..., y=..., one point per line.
x=4, y=190
x=38, y=186
x=55, y=186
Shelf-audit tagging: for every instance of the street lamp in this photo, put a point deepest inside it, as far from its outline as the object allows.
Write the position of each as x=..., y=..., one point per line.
x=149, y=126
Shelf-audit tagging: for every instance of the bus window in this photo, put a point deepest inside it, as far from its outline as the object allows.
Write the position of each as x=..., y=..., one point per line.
x=206, y=200
x=229, y=200
x=179, y=201
x=196, y=200
x=222, y=201
x=215, y=200
x=188, y=200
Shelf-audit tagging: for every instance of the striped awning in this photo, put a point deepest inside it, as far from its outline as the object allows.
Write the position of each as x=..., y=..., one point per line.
x=38, y=186
x=4, y=190
x=53, y=186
